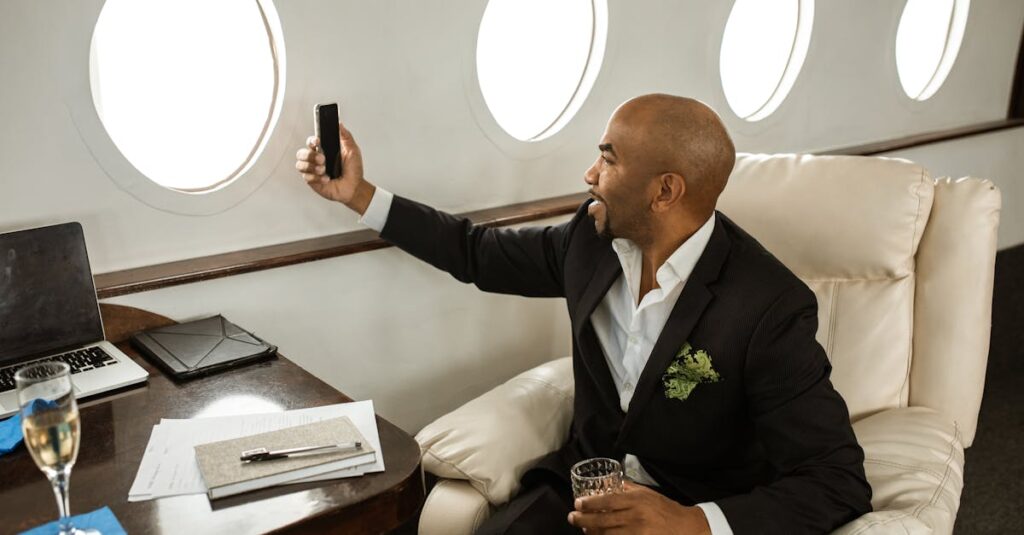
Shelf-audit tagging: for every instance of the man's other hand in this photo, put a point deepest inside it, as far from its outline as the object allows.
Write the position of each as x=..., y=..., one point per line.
x=350, y=189
x=637, y=510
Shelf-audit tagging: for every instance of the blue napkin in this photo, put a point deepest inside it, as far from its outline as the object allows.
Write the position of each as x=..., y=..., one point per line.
x=10, y=429
x=10, y=434
x=102, y=519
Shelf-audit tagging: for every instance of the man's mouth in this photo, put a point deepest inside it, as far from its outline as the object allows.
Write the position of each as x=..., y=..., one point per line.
x=594, y=206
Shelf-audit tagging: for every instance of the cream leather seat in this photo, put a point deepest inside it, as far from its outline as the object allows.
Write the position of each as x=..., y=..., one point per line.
x=902, y=266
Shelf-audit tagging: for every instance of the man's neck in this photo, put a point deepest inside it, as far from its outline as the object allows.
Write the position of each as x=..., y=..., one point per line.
x=656, y=252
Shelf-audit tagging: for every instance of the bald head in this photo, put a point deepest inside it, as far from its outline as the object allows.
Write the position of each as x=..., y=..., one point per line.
x=684, y=136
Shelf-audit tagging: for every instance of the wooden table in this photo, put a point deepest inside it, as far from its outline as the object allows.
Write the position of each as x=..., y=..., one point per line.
x=116, y=428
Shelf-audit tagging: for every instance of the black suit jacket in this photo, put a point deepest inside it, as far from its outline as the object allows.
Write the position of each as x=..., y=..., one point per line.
x=770, y=443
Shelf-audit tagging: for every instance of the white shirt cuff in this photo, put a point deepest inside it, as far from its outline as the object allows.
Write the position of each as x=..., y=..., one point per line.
x=716, y=518
x=376, y=214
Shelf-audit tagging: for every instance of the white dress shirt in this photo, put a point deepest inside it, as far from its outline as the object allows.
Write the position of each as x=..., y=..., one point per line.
x=627, y=331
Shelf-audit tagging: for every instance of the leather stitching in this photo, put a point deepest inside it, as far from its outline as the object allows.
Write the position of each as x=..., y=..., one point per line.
x=832, y=319
x=929, y=471
x=945, y=477
x=882, y=523
x=855, y=279
x=486, y=492
x=557, y=389
x=913, y=295
x=910, y=348
x=479, y=517
x=935, y=495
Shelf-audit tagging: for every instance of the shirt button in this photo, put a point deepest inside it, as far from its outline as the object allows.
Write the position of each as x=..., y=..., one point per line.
x=632, y=339
x=628, y=386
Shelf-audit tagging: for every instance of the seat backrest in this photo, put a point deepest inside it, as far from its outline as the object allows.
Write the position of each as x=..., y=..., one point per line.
x=850, y=228
x=902, y=266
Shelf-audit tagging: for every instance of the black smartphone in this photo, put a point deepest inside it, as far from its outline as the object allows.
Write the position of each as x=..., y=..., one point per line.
x=325, y=121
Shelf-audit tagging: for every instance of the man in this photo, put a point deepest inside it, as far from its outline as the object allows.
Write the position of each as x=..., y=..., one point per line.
x=694, y=355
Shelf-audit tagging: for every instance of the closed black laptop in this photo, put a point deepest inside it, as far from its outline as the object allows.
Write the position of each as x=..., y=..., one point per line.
x=201, y=347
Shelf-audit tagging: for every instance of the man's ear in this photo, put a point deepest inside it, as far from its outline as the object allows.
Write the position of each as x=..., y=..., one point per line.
x=671, y=190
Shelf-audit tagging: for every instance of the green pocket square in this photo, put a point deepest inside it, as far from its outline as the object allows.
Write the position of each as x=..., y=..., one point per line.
x=687, y=371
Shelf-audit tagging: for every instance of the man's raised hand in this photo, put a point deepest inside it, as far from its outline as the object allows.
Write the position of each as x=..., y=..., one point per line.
x=351, y=188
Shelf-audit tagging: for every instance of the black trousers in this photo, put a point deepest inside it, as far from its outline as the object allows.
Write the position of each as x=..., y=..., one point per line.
x=543, y=507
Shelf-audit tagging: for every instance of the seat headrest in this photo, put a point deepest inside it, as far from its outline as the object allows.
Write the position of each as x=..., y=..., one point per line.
x=832, y=217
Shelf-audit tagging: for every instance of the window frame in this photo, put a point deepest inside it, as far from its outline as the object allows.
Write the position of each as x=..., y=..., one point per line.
x=217, y=198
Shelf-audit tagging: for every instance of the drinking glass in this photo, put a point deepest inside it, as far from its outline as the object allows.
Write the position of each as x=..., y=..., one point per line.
x=49, y=420
x=596, y=476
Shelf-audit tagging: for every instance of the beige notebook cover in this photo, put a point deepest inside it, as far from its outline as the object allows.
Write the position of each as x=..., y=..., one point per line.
x=225, y=474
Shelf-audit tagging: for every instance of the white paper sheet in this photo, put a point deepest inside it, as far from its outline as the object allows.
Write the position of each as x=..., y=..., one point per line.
x=169, y=467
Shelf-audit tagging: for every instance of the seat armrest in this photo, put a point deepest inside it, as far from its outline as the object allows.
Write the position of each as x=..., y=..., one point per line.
x=914, y=461
x=492, y=440
x=453, y=508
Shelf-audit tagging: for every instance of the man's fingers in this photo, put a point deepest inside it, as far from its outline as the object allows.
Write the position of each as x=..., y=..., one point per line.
x=310, y=167
x=602, y=502
x=312, y=142
x=309, y=156
x=591, y=521
x=348, y=143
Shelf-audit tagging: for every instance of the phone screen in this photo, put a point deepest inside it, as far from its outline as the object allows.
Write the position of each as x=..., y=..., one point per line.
x=327, y=131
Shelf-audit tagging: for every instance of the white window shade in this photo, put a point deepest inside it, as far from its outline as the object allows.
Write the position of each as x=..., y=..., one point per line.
x=537, y=60
x=927, y=43
x=186, y=89
x=763, y=48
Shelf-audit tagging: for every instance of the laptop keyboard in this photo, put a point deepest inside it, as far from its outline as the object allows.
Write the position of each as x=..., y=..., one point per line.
x=79, y=361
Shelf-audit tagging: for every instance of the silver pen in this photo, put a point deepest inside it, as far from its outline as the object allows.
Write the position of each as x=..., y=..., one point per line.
x=263, y=454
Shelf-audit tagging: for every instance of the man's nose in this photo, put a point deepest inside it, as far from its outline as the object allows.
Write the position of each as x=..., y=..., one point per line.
x=590, y=176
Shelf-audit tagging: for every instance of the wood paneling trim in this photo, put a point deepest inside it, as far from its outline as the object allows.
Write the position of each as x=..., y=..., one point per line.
x=146, y=278
x=871, y=149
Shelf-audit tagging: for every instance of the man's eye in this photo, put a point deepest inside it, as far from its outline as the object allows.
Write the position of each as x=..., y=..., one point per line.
x=606, y=160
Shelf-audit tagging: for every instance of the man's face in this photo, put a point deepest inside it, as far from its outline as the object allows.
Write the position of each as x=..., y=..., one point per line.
x=619, y=183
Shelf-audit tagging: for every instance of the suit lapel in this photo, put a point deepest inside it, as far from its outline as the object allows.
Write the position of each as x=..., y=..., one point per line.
x=608, y=269
x=688, y=309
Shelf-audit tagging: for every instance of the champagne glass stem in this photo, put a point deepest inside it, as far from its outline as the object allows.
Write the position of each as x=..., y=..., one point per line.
x=60, y=481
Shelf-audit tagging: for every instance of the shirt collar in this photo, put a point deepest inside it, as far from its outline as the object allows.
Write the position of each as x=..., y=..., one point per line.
x=677, y=267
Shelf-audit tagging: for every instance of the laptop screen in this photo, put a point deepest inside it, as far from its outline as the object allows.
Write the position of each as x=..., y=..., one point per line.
x=47, y=296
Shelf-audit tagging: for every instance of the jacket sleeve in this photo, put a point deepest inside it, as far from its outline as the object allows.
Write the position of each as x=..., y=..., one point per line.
x=524, y=261
x=803, y=425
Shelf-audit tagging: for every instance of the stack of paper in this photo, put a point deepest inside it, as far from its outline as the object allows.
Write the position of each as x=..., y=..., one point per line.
x=169, y=465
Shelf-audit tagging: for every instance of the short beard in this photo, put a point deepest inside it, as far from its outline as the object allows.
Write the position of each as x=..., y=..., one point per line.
x=633, y=228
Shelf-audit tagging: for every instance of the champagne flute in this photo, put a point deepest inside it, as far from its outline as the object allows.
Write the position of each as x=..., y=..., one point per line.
x=49, y=420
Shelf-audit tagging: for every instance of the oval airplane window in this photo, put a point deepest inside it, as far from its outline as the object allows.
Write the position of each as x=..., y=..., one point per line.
x=927, y=43
x=186, y=89
x=763, y=48
x=537, y=60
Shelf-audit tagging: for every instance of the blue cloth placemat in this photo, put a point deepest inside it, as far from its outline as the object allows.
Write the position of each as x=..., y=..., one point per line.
x=10, y=434
x=102, y=519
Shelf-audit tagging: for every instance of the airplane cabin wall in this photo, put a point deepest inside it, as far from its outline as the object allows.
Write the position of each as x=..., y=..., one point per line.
x=382, y=325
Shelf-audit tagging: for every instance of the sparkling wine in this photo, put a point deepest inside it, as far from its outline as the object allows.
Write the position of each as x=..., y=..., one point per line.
x=52, y=436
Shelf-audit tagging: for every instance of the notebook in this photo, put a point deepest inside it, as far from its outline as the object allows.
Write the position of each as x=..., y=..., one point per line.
x=201, y=347
x=225, y=474
x=49, y=311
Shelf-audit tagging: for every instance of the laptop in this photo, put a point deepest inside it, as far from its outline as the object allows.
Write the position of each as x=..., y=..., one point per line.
x=49, y=311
